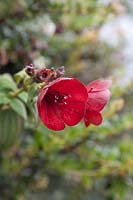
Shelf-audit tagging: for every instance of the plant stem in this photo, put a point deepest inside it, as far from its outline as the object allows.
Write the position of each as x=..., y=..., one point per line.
x=72, y=147
x=17, y=92
x=24, y=88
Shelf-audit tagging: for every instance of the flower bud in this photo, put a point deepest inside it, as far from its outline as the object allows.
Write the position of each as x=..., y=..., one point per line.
x=44, y=75
x=30, y=70
x=60, y=71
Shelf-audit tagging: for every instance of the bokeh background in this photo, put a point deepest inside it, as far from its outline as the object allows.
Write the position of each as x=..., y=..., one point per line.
x=92, y=39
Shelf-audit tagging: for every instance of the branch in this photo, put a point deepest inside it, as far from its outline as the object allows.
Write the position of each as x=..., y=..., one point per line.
x=72, y=147
x=17, y=92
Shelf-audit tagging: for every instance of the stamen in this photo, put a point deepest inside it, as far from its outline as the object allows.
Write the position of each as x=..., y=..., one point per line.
x=58, y=98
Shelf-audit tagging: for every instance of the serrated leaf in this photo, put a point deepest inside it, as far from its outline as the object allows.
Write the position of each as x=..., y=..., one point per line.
x=7, y=82
x=18, y=106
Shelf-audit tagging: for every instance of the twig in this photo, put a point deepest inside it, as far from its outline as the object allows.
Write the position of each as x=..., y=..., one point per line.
x=17, y=92
x=72, y=147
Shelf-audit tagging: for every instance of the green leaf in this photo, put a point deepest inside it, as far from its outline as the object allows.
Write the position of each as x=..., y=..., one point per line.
x=33, y=111
x=18, y=106
x=4, y=98
x=6, y=82
x=32, y=93
x=23, y=96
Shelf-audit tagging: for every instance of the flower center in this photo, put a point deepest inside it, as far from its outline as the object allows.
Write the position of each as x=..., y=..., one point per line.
x=57, y=97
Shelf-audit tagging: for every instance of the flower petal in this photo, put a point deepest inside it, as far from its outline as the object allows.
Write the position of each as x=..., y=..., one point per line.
x=92, y=117
x=71, y=86
x=48, y=115
x=98, y=85
x=68, y=107
x=72, y=112
x=41, y=95
x=97, y=100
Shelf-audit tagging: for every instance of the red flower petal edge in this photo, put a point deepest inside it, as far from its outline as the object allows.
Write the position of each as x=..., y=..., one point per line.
x=98, y=96
x=62, y=102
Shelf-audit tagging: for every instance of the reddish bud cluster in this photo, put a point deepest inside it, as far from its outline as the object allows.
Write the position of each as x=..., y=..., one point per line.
x=44, y=74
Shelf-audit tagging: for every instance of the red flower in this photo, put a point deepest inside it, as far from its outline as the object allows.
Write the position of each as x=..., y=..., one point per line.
x=98, y=96
x=62, y=102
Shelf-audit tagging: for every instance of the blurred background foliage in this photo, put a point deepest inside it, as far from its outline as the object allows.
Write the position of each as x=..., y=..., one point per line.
x=77, y=163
